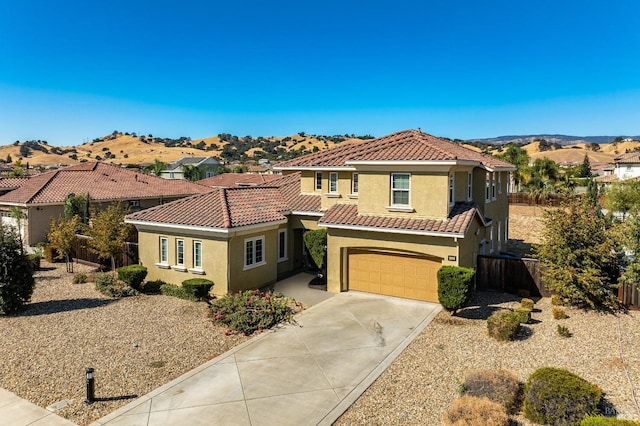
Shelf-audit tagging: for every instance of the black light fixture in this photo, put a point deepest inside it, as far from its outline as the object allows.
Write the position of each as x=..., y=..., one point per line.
x=90, y=386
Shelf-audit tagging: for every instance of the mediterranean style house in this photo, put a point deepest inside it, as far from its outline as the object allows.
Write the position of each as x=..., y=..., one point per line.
x=396, y=209
x=627, y=166
x=41, y=197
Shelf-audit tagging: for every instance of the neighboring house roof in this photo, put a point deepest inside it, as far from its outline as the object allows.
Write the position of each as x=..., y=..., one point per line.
x=404, y=146
x=194, y=161
x=102, y=181
x=606, y=179
x=12, y=182
x=222, y=208
x=628, y=158
x=230, y=180
x=456, y=224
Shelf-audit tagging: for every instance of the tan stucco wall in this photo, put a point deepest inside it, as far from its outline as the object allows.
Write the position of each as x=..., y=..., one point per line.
x=214, y=258
x=340, y=239
x=243, y=279
x=39, y=221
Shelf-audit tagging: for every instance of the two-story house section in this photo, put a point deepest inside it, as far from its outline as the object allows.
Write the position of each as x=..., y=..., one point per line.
x=399, y=207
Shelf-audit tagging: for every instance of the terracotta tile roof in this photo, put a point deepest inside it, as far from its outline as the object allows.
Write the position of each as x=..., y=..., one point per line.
x=606, y=179
x=101, y=181
x=289, y=187
x=220, y=208
x=455, y=224
x=230, y=180
x=628, y=158
x=407, y=145
x=13, y=182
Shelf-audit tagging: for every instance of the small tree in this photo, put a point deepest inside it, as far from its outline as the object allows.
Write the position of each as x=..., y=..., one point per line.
x=631, y=241
x=16, y=273
x=61, y=237
x=454, y=287
x=78, y=205
x=584, y=170
x=156, y=167
x=623, y=197
x=316, y=243
x=191, y=172
x=109, y=233
x=577, y=253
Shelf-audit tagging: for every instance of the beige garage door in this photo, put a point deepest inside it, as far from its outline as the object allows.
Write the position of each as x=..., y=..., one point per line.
x=412, y=277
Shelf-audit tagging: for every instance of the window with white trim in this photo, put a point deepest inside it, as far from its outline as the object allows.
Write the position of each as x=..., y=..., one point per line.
x=333, y=182
x=491, y=239
x=400, y=189
x=487, y=188
x=470, y=186
x=493, y=185
x=180, y=252
x=197, y=254
x=254, y=252
x=451, y=188
x=164, y=250
x=354, y=183
x=499, y=183
x=282, y=245
x=318, y=181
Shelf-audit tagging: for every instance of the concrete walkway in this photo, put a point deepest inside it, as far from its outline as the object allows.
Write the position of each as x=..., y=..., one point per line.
x=15, y=411
x=303, y=374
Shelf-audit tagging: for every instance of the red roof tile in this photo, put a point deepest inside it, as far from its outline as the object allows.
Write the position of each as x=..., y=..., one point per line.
x=456, y=223
x=289, y=187
x=408, y=145
x=101, y=181
x=230, y=180
x=628, y=158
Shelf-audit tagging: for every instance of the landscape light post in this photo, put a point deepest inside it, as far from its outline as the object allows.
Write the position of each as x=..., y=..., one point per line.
x=90, y=386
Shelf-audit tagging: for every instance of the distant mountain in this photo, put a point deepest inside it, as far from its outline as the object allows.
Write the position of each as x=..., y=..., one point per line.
x=559, y=139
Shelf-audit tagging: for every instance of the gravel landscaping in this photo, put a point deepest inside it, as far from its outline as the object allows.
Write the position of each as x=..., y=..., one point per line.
x=135, y=344
x=423, y=381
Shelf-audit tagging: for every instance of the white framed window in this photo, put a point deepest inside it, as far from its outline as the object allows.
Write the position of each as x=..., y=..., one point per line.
x=333, y=182
x=318, y=181
x=499, y=183
x=134, y=203
x=180, y=252
x=254, y=252
x=164, y=250
x=491, y=239
x=282, y=245
x=400, y=189
x=172, y=175
x=354, y=183
x=197, y=254
x=499, y=235
x=493, y=185
x=470, y=186
x=487, y=188
x=451, y=188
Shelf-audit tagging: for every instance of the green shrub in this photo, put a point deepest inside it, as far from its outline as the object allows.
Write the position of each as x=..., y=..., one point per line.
x=16, y=273
x=454, y=287
x=198, y=287
x=472, y=411
x=559, y=397
x=556, y=300
x=177, y=291
x=133, y=275
x=152, y=287
x=108, y=285
x=34, y=258
x=501, y=386
x=527, y=304
x=251, y=311
x=607, y=421
x=523, y=314
x=80, y=278
x=558, y=313
x=504, y=325
x=563, y=331
x=50, y=254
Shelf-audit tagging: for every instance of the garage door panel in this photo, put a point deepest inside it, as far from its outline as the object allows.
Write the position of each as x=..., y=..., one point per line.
x=397, y=275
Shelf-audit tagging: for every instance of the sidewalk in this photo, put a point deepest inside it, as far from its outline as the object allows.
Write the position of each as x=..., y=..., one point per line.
x=15, y=411
x=303, y=374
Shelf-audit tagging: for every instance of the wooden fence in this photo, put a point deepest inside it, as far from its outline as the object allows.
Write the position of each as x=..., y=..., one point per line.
x=629, y=295
x=547, y=200
x=82, y=254
x=510, y=275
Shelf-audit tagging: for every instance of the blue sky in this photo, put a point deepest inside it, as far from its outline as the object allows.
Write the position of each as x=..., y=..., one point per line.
x=72, y=71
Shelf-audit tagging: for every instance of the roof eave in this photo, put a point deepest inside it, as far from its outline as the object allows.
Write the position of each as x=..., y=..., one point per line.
x=316, y=168
x=392, y=230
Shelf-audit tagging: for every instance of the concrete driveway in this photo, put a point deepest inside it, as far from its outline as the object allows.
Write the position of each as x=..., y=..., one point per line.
x=303, y=374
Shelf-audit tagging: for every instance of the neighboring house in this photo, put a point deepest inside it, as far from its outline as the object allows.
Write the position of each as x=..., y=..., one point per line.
x=42, y=196
x=232, y=180
x=627, y=166
x=175, y=170
x=396, y=209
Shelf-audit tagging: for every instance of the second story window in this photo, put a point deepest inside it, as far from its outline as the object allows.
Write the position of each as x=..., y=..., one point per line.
x=318, y=181
x=487, y=188
x=499, y=183
x=451, y=188
x=354, y=183
x=470, y=187
x=400, y=188
x=493, y=185
x=333, y=182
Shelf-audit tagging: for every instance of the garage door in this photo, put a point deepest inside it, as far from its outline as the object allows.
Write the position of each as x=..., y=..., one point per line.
x=412, y=277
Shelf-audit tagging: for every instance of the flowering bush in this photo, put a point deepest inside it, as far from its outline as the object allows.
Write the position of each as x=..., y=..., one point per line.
x=252, y=310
